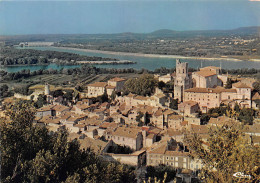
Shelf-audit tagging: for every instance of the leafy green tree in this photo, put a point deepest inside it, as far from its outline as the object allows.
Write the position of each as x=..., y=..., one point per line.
x=113, y=95
x=57, y=93
x=228, y=152
x=246, y=115
x=144, y=85
x=158, y=172
x=24, y=90
x=68, y=95
x=174, y=104
x=237, y=108
x=204, y=119
x=118, y=149
x=139, y=117
x=103, y=98
x=4, y=91
x=256, y=86
x=161, y=84
x=229, y=83
x=41, y=101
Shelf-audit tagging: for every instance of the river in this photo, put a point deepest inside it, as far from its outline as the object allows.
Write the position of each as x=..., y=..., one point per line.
x=149, y=63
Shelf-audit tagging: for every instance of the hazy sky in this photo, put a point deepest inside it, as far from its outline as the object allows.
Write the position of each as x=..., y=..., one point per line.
x=68, y=17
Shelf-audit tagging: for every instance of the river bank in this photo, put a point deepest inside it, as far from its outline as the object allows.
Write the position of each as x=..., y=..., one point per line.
x=155, y=55
x=107, y=62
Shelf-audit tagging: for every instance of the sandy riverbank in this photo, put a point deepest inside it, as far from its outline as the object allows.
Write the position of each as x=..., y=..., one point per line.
x=153, y=55
x=107, y=62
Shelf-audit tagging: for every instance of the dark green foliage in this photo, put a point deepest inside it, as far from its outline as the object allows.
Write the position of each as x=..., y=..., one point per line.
x=174, y=104
x=139, y=116
x=41, y=101
x=118, y=149
x=229, y=83
x=256, y=86
x=161, y=84
x=144, y=85
x=218, y=111
x=204, y=119
x=79, y=88
x=24, y=90
x=164, y=70
x=113, y=95
x=68, y=95
x=159, y=171
x=228, y=152
x=57, y=93
x=242, y=71
x=236, y=108
x=103, y=98
x=246, y=115
x=30, y=154
x=12, y=56
x=4, y=91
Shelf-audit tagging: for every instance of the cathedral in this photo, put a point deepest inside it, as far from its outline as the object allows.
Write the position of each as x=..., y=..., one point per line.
x=206, y=77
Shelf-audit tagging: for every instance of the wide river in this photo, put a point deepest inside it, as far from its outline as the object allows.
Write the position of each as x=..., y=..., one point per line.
x=149, y=63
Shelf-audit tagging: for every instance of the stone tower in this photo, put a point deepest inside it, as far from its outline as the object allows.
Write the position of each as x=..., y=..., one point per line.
x=182, y=80
x=47, y=89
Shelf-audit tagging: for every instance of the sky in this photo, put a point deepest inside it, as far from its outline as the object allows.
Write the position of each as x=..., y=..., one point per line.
x=143, y=16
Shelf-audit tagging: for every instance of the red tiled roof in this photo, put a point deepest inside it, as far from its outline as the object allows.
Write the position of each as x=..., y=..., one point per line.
x=98, y=84
x=210, y=90
x=205, y=73
x=240, y=85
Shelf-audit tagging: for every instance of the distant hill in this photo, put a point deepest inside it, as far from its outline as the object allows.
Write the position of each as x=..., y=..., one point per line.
x=247, y=30
x=163, y=33
x=239, y=31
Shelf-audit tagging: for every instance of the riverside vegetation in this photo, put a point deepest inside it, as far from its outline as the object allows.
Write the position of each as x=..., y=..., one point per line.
x=12, y=56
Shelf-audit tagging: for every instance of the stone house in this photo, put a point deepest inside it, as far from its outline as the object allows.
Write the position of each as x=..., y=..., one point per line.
x=81, y=108
x=167, y=78
x=157, y=118
x=256, y=101
x=212, y=97
x=59, y=109
x=221, y=120
x=96, y=89
x=188, y=107
x=115, y=84
x=46, y=111
x=175, y=121
x=206, y=77
x=51, y=122
x=128, y=136
x=205, y=97
x=168, y=152
x=106, y=125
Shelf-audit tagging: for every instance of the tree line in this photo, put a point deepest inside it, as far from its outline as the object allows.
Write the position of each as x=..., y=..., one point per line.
x=12, y=56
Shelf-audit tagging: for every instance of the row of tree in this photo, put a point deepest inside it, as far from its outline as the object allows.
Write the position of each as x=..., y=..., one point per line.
x=91, y=70
x=12, y=56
